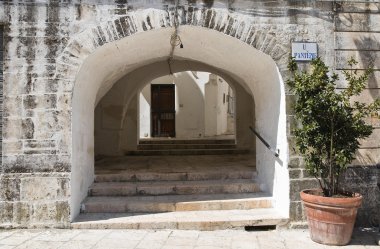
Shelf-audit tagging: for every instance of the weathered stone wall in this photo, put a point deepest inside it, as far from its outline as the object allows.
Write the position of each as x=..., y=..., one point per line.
x=356, y=35
x=364, y=180
x=1, y=91
x=47, y=41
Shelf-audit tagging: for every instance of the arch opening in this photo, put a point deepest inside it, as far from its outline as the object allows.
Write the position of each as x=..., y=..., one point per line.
x=202, y=106
x=201, y=110
x=241, y=65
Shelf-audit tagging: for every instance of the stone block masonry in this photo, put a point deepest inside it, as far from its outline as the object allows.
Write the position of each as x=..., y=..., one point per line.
x=46, y=42
x=34, y=200
x=1, y=90
x=356, y=35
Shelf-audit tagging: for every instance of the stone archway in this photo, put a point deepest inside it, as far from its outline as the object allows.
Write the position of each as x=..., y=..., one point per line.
x=142, y=38
x=123, y=93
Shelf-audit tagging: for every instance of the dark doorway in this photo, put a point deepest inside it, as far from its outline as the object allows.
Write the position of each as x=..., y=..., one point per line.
x=163, y=110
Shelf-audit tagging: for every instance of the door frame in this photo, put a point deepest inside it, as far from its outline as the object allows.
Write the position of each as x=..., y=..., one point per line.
x=155, y=111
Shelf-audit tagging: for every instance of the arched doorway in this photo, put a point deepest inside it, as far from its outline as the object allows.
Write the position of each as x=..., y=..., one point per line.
x=200, y=105
x=120, y=120
x=254, y=71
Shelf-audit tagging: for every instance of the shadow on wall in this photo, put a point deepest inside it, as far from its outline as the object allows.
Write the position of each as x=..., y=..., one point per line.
x=190, y=112
x=363, y=180
x=368, y=58
x=145, y=92
x=359, y=178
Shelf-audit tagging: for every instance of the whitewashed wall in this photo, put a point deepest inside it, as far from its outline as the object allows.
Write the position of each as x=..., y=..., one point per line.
x=61, y=57
x=190, y=105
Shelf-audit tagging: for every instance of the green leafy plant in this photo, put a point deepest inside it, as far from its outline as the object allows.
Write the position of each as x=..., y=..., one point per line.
x=330, y=123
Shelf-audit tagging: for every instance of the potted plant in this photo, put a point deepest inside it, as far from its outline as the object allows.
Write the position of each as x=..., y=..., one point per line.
x=329, y=128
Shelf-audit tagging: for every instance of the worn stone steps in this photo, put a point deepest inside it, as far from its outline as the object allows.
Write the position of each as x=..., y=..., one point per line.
x=186, y=152
x=173, y=187
x=173, y=147
x=185, y=146
x=124, y=176
x=188, y=220
x=187, y=141
x=181, y=192
x=176, y=203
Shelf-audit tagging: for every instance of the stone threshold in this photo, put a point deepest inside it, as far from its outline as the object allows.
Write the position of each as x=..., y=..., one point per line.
x=187, y=220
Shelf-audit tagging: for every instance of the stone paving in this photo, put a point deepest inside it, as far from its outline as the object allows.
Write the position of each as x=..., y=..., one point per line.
x=175, y=239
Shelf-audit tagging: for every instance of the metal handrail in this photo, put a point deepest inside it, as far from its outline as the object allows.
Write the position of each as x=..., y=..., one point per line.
x=276, y=153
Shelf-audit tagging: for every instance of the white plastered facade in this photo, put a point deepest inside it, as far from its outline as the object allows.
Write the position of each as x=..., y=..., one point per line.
x=253, y=70
x=200, y=105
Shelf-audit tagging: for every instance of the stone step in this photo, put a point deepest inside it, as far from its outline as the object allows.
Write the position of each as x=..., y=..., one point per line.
x=176, y=203
x=122, y=176
x=186, y=152
x=189, y=220
x=173, y=187
x=187, y=141
x=185, y=146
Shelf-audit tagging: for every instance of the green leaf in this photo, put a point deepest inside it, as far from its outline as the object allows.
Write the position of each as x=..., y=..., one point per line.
x=330, y=123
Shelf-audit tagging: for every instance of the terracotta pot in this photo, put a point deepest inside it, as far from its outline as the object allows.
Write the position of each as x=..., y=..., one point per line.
x=331, y=220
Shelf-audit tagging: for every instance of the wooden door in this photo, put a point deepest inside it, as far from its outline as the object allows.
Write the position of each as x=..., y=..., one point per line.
x=163, y=111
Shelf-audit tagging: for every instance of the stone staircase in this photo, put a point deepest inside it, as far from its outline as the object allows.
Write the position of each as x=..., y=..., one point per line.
x=206, y=192
x=150, y=147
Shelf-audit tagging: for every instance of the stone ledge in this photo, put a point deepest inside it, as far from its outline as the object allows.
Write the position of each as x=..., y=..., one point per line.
x=189, y=220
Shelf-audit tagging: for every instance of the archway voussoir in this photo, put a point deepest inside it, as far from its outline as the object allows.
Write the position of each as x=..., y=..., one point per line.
x=158, y=19
x=207, y=15
x=124, y=26
x=195, y=17
x=268, y=44
x=162, y=20
x=216, y=19
x=128, y=25
x=228, y=25
x=111, y=31
x=66, y=71
x=101, y=36
x=250, y=35
x=119, y=28
x=240, y=30
x=78, y=50
x=212, y=19
x=140, y=21
x=278, y=52
x=68, y=59
x=258, y=39
x=107, y=33
x=146, y=24
x=235, y=26
x=282, y=64
x=95, y=38
x=201, y=18
x=182, y=15
x=187, y=14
